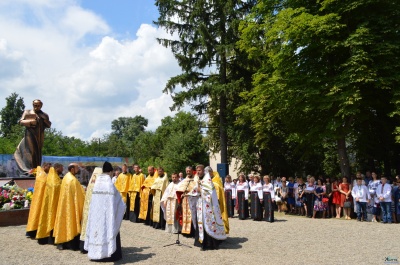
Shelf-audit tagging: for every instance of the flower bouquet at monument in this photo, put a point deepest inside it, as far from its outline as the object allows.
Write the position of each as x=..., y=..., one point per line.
x=11, y=197
x=29, y=195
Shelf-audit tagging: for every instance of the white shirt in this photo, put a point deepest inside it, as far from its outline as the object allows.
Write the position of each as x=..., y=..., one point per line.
x=258, y=188
x=230, y=186
x=277, y=185
x=114, y=179
x=243, y=186
x=251, y=184
x=386, y=193
x=269, y=188
x=373, y=185
x=310, y=188
x=361, y=192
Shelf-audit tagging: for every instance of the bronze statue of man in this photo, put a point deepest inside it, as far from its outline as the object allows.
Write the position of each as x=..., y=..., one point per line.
x=29, y=151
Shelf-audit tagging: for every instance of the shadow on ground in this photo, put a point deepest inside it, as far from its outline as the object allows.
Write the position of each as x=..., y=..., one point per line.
x=233, y=243
x=132, y=255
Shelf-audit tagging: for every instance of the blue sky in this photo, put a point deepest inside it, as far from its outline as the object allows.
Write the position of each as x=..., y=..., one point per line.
x=124, y=16
x=89, y=61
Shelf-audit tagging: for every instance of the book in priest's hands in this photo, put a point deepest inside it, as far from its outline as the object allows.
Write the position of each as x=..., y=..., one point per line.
x=31, y=117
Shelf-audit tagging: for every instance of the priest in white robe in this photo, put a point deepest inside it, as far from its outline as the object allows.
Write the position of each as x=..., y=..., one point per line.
x=88, y=197
x=106, y=211
x=169, y=206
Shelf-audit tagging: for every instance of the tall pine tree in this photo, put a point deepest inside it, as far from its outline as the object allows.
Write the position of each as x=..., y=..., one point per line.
x=204, y=39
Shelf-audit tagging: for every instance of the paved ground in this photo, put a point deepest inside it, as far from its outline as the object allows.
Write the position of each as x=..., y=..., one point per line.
x=290, y=240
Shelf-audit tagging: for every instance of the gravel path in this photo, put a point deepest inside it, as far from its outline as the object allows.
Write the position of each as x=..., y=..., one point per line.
x=290, y=240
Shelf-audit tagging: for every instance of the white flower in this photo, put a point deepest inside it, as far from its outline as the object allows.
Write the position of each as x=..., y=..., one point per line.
x=7, y=206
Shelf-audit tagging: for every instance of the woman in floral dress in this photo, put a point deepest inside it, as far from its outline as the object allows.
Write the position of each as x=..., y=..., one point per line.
x=319, y=205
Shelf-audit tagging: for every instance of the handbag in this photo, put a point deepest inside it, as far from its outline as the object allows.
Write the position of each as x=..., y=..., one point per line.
x=284, y=207
x=347, y=204
x=325, y=200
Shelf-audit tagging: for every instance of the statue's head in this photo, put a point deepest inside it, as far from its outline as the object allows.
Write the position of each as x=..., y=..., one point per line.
x=37, y=105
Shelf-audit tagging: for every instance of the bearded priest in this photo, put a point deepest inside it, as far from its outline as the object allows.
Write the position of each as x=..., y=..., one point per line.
x=135, y=190
x=157, y=189
x=188, y=203
x=146, y=198
x=67, y=227
x=169, y=206
x=122, y=184
x=210, y=230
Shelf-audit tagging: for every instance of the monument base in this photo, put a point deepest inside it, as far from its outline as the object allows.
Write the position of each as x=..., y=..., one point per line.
x=14, y=217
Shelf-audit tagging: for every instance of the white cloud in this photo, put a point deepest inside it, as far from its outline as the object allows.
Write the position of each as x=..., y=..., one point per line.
x=81, y=22
x=12, y=62
x=83, y=86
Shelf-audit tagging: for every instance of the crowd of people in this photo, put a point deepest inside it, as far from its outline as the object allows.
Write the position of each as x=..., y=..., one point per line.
x=365, y=198
x=71, y=216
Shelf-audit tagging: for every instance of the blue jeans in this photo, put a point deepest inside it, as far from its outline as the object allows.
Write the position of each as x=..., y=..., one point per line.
x=386, y=211
x=361, y=206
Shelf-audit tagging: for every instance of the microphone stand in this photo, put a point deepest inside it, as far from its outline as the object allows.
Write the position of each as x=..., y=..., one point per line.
x=177, y=242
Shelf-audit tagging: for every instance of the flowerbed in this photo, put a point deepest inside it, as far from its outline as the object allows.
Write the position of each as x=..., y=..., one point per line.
x=13, y=197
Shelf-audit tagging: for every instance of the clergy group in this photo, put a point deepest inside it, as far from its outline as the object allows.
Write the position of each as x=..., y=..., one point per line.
x=64, y=214
x=194, y=206
x=70, y=216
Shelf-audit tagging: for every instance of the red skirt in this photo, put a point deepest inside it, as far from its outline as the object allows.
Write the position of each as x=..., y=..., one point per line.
x=336, y=197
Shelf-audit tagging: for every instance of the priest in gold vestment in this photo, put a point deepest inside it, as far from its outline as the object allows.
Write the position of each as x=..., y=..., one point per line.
x=67, y=227
x=122, y=184
x=188, y=216
x=135, y=191
x=146, y=199
x=219, y=187
x=37, y=200
x=157, y=190
x=49, y=208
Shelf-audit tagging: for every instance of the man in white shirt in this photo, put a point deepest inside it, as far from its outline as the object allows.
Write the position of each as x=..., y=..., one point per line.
x=361, y=196
x=384, y=194
x=180, y=176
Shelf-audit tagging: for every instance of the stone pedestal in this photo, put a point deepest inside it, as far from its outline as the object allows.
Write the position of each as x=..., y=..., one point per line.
x=14, y=217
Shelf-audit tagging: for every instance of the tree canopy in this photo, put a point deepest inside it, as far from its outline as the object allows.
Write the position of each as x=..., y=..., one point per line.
x=326, y=69
x=11, y=113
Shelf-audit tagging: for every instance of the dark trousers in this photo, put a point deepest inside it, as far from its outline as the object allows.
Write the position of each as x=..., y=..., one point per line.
x=128, y=205
x=386, y=211
x=361, y=210
x=134, y=215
